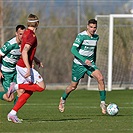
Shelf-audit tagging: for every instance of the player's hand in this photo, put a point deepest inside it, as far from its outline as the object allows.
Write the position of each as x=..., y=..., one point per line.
x=27, y=73
x=88, y=62
x=1, y=75
x=40, y=64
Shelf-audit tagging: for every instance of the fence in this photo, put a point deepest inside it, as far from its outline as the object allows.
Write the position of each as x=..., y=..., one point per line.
x=59, y=24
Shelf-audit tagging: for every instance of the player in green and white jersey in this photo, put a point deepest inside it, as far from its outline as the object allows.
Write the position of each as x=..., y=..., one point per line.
x=9, y=55
x=84, y=50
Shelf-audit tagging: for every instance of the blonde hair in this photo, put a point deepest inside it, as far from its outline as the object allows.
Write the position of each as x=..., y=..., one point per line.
x=32, y=21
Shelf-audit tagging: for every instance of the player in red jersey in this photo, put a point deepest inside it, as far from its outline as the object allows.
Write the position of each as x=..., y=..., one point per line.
x=28, y=79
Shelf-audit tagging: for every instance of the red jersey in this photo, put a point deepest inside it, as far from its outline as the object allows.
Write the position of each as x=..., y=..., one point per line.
x=29, y=37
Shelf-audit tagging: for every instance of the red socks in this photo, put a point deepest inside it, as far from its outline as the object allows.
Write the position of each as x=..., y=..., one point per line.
x=30, y=87
x=22, y=100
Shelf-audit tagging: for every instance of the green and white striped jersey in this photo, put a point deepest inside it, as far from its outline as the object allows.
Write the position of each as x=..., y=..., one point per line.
x=10, y=52
x=84, y=47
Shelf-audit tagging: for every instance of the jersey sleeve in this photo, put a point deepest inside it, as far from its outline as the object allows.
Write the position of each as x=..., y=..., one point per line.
x=95, y=55
x=95, y=52
x=30, y=39
x=6, y=48
x=76, y=46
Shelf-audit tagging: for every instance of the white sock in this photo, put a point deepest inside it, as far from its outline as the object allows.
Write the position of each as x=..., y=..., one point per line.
x=16, y=87
x=103, y=102
x=13, y=112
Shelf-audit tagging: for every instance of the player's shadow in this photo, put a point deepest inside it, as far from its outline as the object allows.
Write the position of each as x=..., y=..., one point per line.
x=68, y=119
x=51, y=120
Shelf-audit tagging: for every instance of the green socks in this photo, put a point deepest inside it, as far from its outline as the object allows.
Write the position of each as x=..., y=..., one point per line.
x=64, y=96
x=102, y=95
x=15, y=100
x=1, y=95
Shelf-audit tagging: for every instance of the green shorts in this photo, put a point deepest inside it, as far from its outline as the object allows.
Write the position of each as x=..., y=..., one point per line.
x=8, y=78
x=78, y=71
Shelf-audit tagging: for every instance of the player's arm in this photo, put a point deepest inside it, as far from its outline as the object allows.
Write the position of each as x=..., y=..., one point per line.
x=82, y=58
x=6, y=48
x=25, y=58
x=95, y=53
x=78, y=41
x=75, y=52
x=1, y=75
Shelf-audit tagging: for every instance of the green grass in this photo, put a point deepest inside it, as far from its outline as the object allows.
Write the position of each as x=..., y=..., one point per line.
x=82, y=114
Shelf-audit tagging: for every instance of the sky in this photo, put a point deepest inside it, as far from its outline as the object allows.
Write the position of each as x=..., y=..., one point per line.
x=107, y=6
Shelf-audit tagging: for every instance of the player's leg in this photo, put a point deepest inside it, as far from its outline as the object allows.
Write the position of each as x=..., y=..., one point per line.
x=20, y=102
x=36, y=79
x=8, y=99
x=23, y=98
x=1, y=95
x=19, y=93
x=66, y=93
x=77, y=73
x=101, y=86
x=69, y=89
x=36, y=82
x=95, y=73
x=29, y=87
x=8, y=78
x=15, y=99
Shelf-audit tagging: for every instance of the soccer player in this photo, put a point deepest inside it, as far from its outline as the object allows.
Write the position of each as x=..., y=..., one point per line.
x=28, y=78
x=9, y=55
x=84, y=51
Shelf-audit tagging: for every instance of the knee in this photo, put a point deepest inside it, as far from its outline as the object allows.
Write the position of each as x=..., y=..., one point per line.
x=20, y=92
x=44, y=87
x=100, y=79
x=73, y=87
x=10, y=99
x=41, y=88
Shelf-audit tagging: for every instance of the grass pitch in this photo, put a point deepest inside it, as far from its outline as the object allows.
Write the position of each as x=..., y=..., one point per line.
x=82, y=113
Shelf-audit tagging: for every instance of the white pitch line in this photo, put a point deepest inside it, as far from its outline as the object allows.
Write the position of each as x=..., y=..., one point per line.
x=46, y=105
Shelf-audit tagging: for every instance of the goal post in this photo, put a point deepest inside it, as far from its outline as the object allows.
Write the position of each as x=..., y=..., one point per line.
x=110, y=54
x=111, y=18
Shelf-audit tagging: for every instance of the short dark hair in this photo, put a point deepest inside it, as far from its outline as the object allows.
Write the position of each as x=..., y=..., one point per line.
x=92, y=21
x=22, y=27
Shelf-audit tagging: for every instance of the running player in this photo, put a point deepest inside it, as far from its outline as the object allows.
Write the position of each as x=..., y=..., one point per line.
x=84, y=50
x=28, y=78
x=9, y=55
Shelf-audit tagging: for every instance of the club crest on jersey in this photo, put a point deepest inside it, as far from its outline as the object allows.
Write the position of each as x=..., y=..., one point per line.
x=39, y=77
x=77, y=40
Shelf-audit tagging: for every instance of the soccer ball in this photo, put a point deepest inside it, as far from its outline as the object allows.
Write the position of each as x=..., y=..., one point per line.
x=112, y=109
